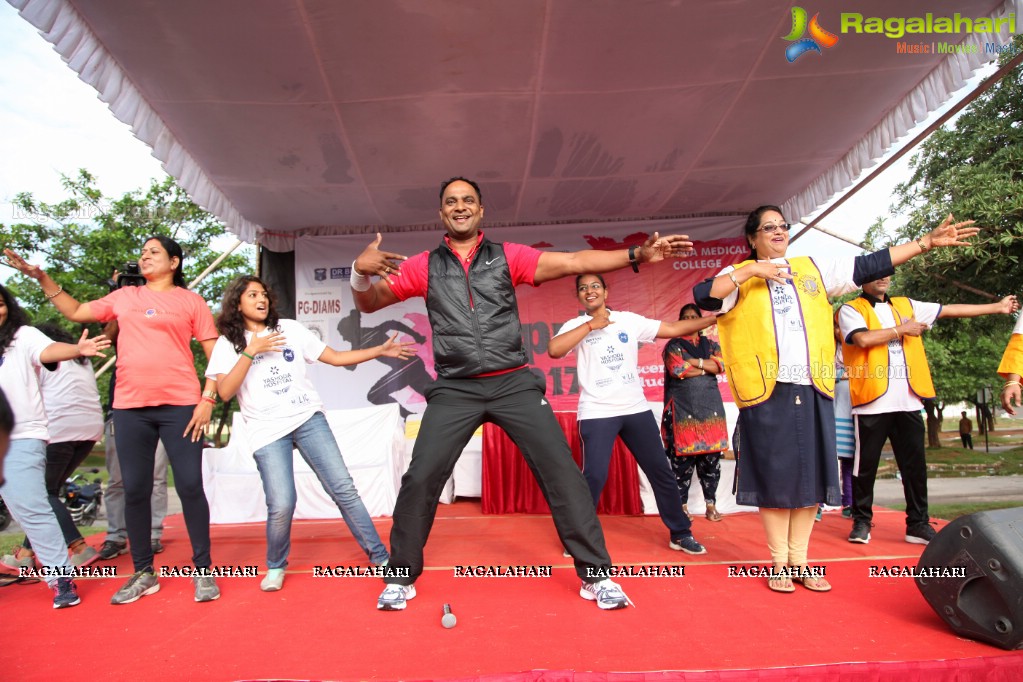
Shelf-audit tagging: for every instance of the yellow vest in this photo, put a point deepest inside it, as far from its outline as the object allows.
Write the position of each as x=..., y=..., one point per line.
x=749, y=344
x=868, y=367
x=1012, y=359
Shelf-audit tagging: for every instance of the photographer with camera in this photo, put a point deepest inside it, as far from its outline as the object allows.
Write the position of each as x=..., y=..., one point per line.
x=116, y=542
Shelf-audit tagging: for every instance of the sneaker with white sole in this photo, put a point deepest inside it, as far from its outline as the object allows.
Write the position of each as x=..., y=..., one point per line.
x=920, y=533
x=139, y=585
x=205, y=588
x=607, y=593
x=273, y=581
x=687, y=544
x=65, y=593
x=394, y=597
x=860, y=532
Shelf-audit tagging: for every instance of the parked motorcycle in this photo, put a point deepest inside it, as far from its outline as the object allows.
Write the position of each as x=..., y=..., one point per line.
x=83, y=498
x=5, y=515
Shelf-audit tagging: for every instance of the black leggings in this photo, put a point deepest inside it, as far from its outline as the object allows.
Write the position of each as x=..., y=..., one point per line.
x=136, y=432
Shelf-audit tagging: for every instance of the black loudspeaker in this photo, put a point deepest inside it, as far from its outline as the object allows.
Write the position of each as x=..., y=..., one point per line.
x=971, y=574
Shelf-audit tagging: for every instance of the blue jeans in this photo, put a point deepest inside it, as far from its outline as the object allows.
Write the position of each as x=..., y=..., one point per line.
x=316, y=443
x=24, y=491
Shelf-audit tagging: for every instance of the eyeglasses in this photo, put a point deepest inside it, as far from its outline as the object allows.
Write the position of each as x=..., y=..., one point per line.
x=595, y=286
x=771, y=228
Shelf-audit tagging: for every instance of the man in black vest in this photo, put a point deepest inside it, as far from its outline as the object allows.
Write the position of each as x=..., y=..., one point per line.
x=469, y=286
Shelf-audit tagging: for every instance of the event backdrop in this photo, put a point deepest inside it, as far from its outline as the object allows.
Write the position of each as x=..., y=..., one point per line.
x=323, y=302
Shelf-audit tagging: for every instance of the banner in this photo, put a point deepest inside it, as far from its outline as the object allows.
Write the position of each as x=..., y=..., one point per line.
x=324, y=303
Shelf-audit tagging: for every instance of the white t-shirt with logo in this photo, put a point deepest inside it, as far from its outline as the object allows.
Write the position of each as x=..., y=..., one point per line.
x=72, y=402
x=19, y=379
x=608, y=365
x=788, y=318
x=276, y=396
x=898, y=397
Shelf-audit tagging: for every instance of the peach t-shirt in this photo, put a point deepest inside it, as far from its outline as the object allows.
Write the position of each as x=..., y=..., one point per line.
x=154, y=353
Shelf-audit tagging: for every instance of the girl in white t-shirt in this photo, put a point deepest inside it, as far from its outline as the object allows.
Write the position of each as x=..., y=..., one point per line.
x=23, y=351
x=611, y=399
x=261, y=359
x=75, y=423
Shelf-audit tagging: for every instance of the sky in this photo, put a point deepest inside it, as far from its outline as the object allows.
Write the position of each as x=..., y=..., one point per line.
x=52, y=124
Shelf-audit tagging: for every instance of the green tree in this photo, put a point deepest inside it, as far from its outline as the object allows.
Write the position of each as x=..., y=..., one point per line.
x=973, y=170
x=83, y=239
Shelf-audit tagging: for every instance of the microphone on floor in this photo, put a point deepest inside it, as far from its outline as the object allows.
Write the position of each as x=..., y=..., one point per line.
x=448, y=620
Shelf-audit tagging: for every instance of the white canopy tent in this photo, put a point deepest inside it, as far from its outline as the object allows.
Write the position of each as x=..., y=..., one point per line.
x=300, y=118
x=316, y=116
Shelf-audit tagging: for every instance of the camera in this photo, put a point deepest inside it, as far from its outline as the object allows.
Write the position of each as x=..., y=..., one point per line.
x=127, y=276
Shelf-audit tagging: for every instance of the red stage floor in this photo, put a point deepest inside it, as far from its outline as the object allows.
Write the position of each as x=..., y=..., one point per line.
x=703, y=626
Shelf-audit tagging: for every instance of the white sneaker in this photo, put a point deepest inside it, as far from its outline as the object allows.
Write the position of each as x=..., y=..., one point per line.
x=394, y=596
x=607, y=593
x=273, y=581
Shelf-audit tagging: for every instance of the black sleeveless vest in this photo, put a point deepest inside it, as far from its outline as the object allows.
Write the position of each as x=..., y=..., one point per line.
x=473, y=335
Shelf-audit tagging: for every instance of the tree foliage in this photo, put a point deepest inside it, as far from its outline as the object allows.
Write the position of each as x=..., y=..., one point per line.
x=973, y=170
x=82, y=239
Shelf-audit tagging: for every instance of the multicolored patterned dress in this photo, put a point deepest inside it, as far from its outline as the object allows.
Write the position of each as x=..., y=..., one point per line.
x=693, y=421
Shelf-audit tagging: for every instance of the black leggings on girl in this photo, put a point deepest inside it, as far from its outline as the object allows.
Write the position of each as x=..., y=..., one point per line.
x=136, y=432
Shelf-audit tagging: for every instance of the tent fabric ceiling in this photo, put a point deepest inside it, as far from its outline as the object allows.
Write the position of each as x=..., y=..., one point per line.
x=324, y=116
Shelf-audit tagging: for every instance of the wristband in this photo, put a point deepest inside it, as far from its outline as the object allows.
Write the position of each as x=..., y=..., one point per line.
x=731, y=276
x=701, y=363
x=923, y=247
x=359, y=281
x=896, y=332
x=212, y=395
x=632, y=258
x=589, y=325
x=211, y=401
x=55, y=294
x=248, y=356
x=1009, y=384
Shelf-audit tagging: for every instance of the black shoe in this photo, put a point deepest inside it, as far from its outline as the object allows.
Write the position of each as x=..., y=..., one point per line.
x=65, y=594
x=687, y=544
x=111, y=549
x=860, y=532
x=156, y=545
x=920, y=533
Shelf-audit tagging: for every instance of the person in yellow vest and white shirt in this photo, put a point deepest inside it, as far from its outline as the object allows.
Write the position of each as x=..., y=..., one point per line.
x=1011, y=368
x=888, y=377
x=778, y=343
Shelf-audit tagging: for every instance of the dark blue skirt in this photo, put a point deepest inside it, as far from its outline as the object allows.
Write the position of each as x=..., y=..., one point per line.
x=787, y=457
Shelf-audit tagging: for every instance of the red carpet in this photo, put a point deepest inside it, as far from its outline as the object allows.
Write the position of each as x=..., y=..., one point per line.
x=704, y=626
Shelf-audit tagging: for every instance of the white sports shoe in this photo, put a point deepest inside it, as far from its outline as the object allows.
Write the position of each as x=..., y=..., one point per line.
x=607, y=593
x=394, y=596
x=273, y=581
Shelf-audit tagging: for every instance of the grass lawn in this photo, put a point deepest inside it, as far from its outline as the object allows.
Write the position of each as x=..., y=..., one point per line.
x=950, y=512
x=955, y=462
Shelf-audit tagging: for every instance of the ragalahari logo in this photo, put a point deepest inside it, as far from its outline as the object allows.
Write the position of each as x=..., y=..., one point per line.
x=819, y=37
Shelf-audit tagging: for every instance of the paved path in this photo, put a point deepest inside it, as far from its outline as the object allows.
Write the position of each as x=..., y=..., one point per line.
x=955, y=490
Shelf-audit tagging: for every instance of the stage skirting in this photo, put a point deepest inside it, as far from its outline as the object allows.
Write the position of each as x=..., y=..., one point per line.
x=377, y=447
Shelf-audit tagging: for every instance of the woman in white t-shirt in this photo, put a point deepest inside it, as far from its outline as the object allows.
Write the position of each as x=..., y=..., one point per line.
x=611, y=399
x=23, y=351
x=75, y=416
x=261, y=359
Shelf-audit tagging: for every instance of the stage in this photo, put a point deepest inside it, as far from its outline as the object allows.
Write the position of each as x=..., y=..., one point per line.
x=704, y=625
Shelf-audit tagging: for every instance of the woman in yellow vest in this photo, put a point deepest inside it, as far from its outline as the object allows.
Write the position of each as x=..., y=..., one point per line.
x=1011, y=368
x=777, y=340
